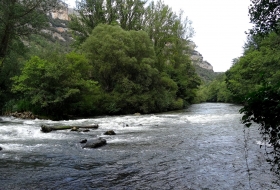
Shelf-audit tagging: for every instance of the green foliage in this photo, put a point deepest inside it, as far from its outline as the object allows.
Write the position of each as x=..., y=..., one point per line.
x=21, y=18
x=263, y=107
x=18, y=20
x=123, y=64
x=13, y=62
x=140, y=60
x=169, y=33
x=55, y=84
x=255, y=65
x=205, y=74
x=21, y=105
x=256, y=74
x=126, y=13
x=215, y=91
x=265, y=15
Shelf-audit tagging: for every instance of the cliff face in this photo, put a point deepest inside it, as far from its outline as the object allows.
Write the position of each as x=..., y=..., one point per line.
x=58, y=21
x=61, y=14
x=203, y=68
x=197, y=58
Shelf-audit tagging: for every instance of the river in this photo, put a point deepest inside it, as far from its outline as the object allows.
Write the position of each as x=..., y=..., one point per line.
x=202, y=147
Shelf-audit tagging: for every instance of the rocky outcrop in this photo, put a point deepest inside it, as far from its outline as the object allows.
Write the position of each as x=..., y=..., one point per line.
x=58, y=21
x=23, y=115
x=197, y=58
x=60, y=14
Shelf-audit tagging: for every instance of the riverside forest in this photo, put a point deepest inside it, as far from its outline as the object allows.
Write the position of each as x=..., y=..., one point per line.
x=121, y=57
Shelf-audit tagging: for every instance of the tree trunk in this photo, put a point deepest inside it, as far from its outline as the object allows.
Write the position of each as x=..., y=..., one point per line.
x=47, y=129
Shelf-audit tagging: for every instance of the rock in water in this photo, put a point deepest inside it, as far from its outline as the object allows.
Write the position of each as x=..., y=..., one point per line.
x=83, y=141
x=46, y=129
x=111, y=132
x=95, y=143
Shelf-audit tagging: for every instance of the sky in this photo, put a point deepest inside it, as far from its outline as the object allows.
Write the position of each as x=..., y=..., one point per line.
x=219, y=26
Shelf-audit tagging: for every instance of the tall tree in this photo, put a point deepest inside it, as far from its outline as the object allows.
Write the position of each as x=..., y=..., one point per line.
x=20, y=18
x=126, y=13
x=123, y=64
x=265, y=15
x=255, y=77
x=130, y=13
x=168, y=31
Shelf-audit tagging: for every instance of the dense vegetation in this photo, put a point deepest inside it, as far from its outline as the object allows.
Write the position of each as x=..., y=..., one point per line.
x=119, y=63
x=253, y=79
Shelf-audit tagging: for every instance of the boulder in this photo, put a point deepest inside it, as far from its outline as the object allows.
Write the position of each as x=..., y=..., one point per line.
x=95, y=143
x=83, y=141
x=46, y=129
x=111, y=132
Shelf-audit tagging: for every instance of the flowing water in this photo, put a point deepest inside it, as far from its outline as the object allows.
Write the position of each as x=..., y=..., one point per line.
x=202, y=147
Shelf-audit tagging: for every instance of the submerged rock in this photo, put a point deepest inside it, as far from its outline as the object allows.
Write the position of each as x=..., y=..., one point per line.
x=111, y=132
x=95, y=143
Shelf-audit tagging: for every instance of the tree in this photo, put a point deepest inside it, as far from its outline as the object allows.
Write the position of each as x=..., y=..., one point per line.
x=123, y=64
x=20, y=18
x=168, y=31
x=263, y=107
x=55, y=85
x=265, y=15
x=130, y=13
x=258, y=71
x=126, y=13
x=254, y=66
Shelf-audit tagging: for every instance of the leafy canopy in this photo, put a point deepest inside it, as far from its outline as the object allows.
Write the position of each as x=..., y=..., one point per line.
x=123, y=64
x=53, y=85
x=265, y=15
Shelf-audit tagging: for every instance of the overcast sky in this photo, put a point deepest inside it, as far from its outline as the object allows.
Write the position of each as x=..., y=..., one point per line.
x=219, y=26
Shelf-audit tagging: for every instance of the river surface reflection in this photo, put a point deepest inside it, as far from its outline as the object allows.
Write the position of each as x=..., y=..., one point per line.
x=201, y=147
